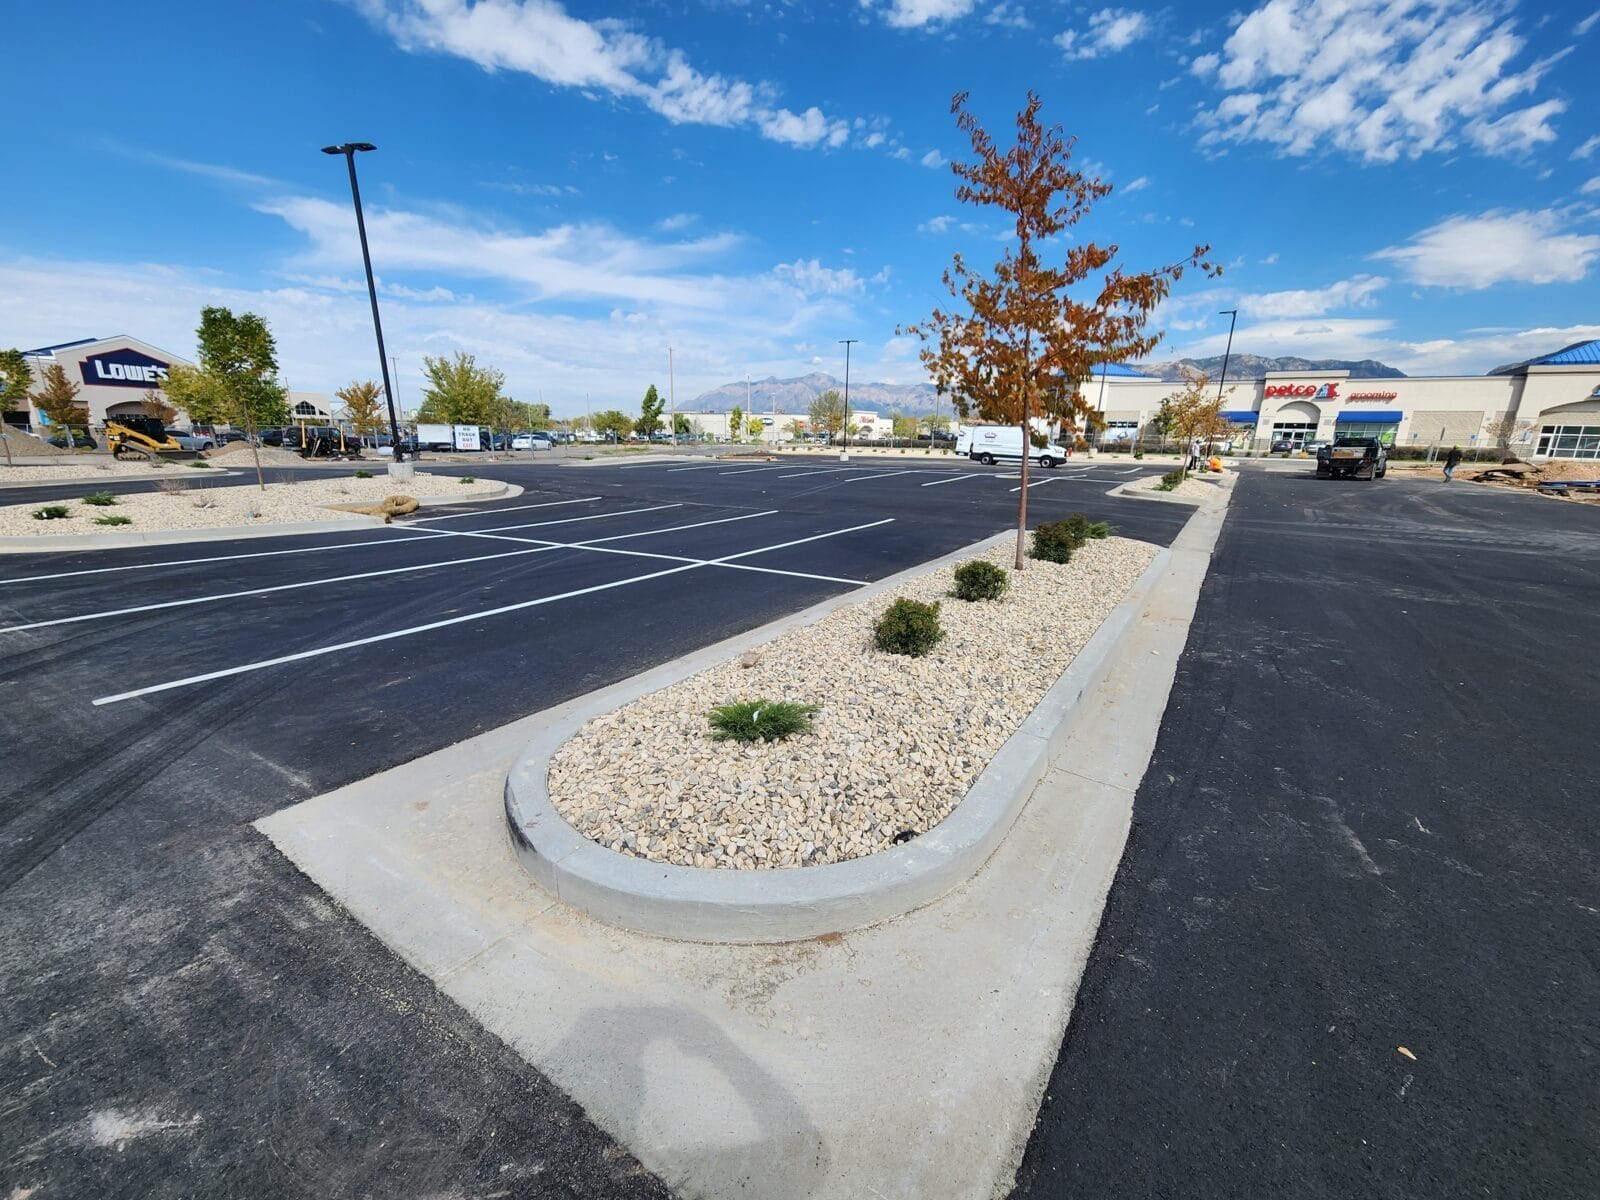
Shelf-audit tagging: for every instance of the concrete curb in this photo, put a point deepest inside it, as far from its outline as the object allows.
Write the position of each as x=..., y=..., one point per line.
x=1128, y=492
x=58, y=543
x=80, y=480
x=697, y=904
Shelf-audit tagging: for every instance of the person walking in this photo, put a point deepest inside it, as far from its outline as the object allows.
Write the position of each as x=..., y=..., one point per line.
x=1451, y=462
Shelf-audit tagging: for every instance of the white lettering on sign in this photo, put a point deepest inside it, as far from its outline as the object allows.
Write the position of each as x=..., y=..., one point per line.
x=128, y=372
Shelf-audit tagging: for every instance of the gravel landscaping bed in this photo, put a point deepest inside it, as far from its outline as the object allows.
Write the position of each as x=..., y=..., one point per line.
x=895, y=747
x=199, y=506
x=1195, y=491
x=88, y=468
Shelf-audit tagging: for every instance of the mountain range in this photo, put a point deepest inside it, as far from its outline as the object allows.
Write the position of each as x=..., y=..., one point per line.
x=795, y=395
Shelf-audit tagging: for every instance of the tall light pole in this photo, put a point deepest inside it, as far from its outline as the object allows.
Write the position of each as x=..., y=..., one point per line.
x=349, y=150
x=1233, y=316
x=672, y=396
x=1100, y=410
x=847, y=343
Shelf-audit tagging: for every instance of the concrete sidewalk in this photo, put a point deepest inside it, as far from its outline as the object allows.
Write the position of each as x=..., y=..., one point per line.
x=904, y=1060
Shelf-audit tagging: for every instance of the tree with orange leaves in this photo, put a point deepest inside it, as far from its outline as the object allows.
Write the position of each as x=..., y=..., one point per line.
x=1027, y=336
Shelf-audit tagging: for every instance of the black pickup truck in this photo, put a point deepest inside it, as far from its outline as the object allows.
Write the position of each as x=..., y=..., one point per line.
x=1353, y=458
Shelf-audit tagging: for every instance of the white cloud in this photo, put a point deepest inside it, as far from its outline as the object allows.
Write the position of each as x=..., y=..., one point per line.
x=1588, y=23
x=539, y=38
x=1359, y=292
x=1588, y=148
x=933, y=159
x=936, y=224
x=812, y=278
x=1382, y=79
x=915, y=14
x=1110, y=30
x=676, y=222
x=1497, y=247
x=1008, y=15
x=1136, y=185
x=1592, y=188
x=1270, y=259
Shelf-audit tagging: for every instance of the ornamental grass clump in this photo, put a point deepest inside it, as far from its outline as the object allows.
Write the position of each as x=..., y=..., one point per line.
x=52, y=512
x=1169, y=481
x=101, y=499
x=980, y=580
x=363, y=474
x=113, y=519
x=908, y=627
x=1082, y=530
x=761, y=720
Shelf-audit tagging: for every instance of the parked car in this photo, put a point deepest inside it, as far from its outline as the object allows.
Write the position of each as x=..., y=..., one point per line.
x=81, y=440
x=541, y=441
x=990, y=444
x=229, y=436
x=523, y=441
x=190, y=440
x=1353, y=458
x=1284, y=446
x=269, y=437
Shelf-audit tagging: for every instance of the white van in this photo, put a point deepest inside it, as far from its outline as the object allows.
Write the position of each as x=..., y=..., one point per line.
x=990, y=444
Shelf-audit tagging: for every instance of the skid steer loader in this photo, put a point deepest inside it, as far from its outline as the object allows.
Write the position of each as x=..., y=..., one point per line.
x=146, y=438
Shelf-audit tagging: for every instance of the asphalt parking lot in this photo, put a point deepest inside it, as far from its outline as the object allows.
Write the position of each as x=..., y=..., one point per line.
x=184, y=1013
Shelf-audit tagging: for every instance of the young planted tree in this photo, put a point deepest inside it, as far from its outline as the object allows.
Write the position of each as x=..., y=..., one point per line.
x=736, y=424
x=16, y=381
x=681, y=425
x=57, y=399
x=363, y=406
x=1196, y=415
x=459, y=392
x=154, y=404
x=612, y=423
x=650, y=412
x=796, y=428
x=755, y=427
x=237, y=379
x=828, y=413
x=1023, y=338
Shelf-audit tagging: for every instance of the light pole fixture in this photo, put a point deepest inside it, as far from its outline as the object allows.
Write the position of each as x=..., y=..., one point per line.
x=349, y=150
x=846, y=343
x=1233, y=315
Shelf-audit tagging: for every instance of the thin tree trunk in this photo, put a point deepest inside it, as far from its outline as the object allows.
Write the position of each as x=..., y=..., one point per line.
x=1022, y=493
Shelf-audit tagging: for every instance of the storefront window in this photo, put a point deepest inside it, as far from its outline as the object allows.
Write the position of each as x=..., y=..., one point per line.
x=1384, y=433
x=1297, y=432
x=1570, y=441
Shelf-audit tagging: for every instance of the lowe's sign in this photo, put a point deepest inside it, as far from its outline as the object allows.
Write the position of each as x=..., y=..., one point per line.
x=124, y=368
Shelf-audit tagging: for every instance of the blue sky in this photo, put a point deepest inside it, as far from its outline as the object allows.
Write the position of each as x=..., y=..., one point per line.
x=568, y=190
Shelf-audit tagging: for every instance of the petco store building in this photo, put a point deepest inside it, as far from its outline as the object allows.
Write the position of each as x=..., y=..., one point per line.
x=112, y=375
x=1546, y=408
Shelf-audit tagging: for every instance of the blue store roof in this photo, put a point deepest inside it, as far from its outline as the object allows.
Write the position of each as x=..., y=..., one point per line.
x=1577, y=354
x=1361, y=417
x=1243, y=416
x=1119, y=371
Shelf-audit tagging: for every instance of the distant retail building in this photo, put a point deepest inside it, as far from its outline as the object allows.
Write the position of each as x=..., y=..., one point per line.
x=1546, y=408
x=113, y=374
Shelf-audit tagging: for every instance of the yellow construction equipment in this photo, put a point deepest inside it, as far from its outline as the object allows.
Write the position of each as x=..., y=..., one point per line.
x=144, y=437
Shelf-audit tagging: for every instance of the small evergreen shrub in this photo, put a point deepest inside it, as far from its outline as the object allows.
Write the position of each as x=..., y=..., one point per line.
x=52, y=512
x=1138, y=452
x=980, y=580
x=908, y=627
x=1169, y=481
x=1080, y=529
x=468, y=479
x=199, y=462
x=360, y=474
x=101, y=499
x=763, y=720
x=113, y=519
x=1055, y=542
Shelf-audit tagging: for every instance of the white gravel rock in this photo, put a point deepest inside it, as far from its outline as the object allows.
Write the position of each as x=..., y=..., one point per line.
x=1195, y=491
x=897, y=744
x=201, y=504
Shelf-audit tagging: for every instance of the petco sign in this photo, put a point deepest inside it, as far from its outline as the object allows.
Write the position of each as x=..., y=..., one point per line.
x=124, y=368
x=1304, y=391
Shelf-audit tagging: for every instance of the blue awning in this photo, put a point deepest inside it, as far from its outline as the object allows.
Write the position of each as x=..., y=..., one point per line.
x=1247, y=416
x=1370, y=418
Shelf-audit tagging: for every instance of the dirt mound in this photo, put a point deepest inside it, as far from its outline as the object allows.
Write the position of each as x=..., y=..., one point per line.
x=1569, y=469
x=271, y=456
x=23, y=446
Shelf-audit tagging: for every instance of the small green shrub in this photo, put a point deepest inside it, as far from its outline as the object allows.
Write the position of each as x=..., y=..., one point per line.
x=101, y=499
x=1080, y=529
x=360, y=474
x=468, y=479
x=1055, y=542
x=764, y=720
x=980, y=580
x=908, y=627
x=52, y=512
x=1138, y=452
x=1169, y=481
x=199, y=462
x=113, y=519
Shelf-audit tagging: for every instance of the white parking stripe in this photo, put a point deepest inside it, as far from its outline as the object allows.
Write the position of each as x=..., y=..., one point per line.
x=706, y=467
x=756, y=470
x=817, y=471
x=621, y=512
x=955, y=479
x=880, y=475
x=319, y=651
x=497, y=511
x=1040, y=482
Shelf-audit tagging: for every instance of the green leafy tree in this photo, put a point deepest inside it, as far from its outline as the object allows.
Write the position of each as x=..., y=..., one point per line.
x=736, y=423
x=796, y=428
x=906, y=428
x=938, y=423
x=237, y=379
x=534, y=416
x=1197, y=414
x=612, y=423
x=16, y=381
x=57, y=399
x=363, y=406
x=681, y=425
x=754, y=427
x=1162, y=422
x=459, y=392
x=650, y=412
x=1022, y=338
x=828, y=413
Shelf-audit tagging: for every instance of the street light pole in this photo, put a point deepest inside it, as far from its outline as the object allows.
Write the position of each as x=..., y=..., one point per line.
x=349, y=150
x=672, y=396
x=1100, y=411
x=1233, y=316
x=844, y=454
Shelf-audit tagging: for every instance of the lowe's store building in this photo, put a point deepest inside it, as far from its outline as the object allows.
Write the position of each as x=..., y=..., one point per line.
x=1546, y=408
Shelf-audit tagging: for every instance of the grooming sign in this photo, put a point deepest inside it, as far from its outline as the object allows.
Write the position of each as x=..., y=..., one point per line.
x=124, y=368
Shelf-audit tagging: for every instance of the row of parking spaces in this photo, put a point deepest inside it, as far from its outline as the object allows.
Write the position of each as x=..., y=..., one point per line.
x=930, y=476
x=408, y=582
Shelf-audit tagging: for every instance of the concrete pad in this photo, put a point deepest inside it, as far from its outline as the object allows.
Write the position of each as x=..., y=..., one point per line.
x=902, y=1060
